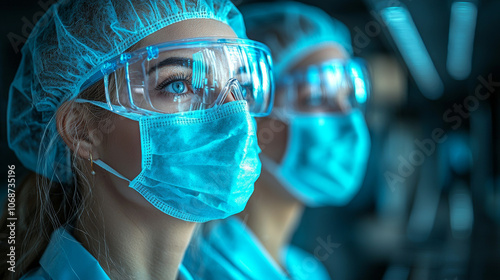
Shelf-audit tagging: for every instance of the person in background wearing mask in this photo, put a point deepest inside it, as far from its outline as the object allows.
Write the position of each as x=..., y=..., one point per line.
x=315, y=147
x=137, y=118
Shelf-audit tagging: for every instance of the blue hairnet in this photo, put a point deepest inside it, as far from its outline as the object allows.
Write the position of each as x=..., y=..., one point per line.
x=66, y=46
x=292, y=30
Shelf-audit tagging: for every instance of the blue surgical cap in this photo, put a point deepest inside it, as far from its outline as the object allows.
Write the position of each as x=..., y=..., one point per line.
x=65, y=48
x=292, y=30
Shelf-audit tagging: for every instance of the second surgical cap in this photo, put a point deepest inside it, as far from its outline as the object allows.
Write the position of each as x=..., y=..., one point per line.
x=65, y=48
x=291, y=30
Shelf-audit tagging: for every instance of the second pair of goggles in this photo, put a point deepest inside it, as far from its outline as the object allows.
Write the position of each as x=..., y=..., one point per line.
x=188, y=75
x=334, y=86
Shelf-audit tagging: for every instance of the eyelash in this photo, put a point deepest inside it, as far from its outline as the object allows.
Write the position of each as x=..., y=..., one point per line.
x=174, y=78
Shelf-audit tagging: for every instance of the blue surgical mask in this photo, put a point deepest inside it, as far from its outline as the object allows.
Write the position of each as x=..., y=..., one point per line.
x=326, y=158
x=198, y=166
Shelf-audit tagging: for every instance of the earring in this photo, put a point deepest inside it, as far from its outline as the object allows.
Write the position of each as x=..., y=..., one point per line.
x=91, y=165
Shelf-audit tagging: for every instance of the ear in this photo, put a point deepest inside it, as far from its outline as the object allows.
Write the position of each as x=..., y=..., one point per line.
x=74, y=124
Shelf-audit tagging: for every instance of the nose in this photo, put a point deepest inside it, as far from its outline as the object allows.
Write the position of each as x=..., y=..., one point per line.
x=230, y=97
x=234, y=89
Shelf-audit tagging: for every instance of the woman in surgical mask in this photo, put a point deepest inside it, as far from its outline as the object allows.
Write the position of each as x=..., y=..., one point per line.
x=137, y=118
x=315, y=147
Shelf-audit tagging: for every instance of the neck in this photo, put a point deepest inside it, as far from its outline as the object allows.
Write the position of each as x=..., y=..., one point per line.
x=132, y=240
x=272, y=214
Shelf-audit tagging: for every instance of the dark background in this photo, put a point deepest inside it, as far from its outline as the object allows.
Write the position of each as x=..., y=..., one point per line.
x=439, y=221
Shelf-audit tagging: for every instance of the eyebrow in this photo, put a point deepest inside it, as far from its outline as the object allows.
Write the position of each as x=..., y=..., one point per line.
x=241, y=70
x=179, y=61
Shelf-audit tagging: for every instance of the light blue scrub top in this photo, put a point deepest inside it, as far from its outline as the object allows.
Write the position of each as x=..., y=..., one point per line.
x=66, y=259
x=230, y=250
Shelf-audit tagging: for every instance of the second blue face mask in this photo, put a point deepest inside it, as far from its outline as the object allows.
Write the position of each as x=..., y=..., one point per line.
x=326, y=158
x=200, y=166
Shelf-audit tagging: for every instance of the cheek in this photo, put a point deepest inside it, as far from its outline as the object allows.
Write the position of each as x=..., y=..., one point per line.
x=122, y=147
x=272, y=135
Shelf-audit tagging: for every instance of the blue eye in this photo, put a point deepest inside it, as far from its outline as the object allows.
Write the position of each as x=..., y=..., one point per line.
x=177, y=87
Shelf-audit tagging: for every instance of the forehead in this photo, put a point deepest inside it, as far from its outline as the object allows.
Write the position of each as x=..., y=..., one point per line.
x=320, y=55
x=191, y=28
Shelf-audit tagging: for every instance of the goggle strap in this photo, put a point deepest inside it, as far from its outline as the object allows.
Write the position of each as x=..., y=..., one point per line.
x=106, y=88
x=110, y=107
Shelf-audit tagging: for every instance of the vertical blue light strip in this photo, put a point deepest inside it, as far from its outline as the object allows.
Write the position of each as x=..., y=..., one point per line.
x=412, y=48
x=461, y=212
x=461, y=39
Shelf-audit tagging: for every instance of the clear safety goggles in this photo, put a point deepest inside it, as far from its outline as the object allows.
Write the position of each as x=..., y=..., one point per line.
x=188, y=75
x=334, y=86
